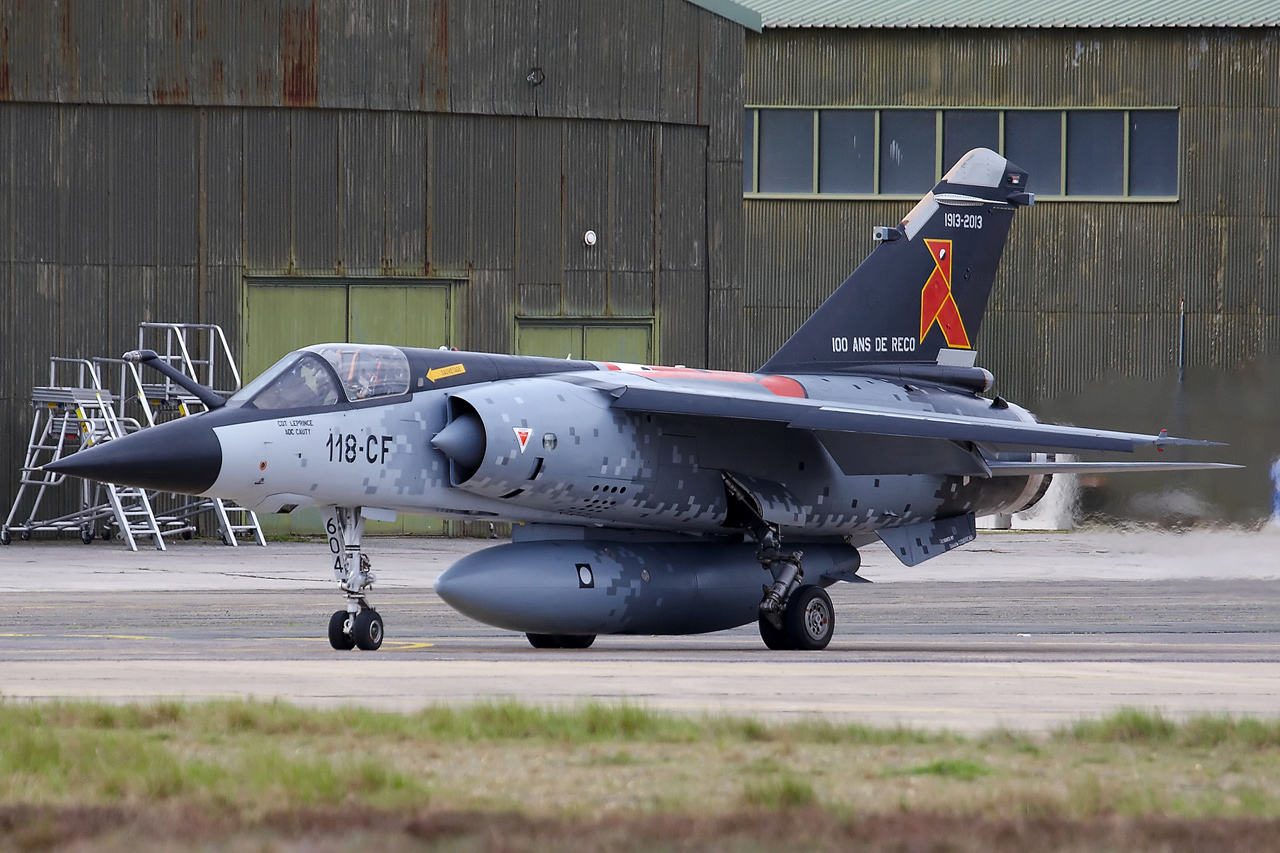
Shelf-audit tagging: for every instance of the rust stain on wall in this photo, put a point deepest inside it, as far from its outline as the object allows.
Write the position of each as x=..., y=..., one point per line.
x=6, y=80
x=300, y=56
x=174, y=93
x=68, y=44
x=439, y=55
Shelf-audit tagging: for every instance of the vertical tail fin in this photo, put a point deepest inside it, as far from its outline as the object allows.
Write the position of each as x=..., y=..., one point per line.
x=924, y=289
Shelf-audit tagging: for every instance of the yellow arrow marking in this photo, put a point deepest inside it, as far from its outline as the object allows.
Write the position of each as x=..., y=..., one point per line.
x=445, y=372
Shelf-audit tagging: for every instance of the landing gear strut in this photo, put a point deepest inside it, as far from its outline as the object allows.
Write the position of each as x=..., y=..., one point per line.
x=359, y=625
x=793, y=614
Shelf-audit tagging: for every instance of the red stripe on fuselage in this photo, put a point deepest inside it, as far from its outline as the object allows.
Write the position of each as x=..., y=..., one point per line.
x=781, y=386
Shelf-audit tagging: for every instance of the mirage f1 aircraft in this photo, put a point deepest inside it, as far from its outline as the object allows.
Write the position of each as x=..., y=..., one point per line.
x=657, y=500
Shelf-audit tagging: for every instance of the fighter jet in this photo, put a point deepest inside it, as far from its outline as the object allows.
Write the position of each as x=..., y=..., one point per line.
x=657, y=500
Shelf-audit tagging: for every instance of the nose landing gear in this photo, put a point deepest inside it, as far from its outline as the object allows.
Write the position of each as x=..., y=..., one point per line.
x=359, y=625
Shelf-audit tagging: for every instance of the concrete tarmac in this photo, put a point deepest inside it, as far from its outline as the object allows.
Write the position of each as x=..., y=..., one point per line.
x=1022, y=630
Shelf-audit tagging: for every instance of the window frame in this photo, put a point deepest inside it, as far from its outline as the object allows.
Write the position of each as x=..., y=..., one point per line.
x=752, y=118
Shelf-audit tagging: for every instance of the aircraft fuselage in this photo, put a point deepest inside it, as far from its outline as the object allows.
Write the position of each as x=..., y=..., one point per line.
x=555, y=451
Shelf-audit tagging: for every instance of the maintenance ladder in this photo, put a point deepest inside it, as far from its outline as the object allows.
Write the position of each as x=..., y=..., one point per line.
x=85, y=412
x=197, y=350
x=70, y=417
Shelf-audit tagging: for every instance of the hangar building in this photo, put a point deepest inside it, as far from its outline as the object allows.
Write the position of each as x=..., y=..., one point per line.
x=1151, y=131
x=420, y=172
x=426, y=172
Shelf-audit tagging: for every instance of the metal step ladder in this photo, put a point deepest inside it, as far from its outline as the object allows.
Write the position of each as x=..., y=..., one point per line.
x=131, y=505
x=201, y=351
x=82, y=411
x=71, y=416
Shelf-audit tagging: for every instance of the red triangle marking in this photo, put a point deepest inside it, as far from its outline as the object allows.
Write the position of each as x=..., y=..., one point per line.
x=522, y=436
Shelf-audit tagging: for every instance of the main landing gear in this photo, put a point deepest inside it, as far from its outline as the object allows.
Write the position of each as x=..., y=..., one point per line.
x=359, y=625
x=793, y=614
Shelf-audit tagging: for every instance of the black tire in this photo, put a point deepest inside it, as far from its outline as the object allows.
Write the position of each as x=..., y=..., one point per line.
x=338, y=638
x=5, y=538
x=775, y=639
x=810, y=620
x=186, y=534
x=105, y=533
x=86, y=535
x=576, y=641
x=366, y=628
x=543, y=641
x=25, y=536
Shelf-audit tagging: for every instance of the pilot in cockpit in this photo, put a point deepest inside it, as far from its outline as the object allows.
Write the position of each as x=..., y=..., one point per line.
x=369, y=371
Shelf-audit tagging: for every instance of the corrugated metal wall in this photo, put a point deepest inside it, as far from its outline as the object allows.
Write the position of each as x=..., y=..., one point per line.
x=155, y=153
x=1088, y=294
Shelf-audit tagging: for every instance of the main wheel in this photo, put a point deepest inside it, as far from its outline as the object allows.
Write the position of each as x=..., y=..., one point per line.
x=576, y=641
x=366, y=628
x=810, y=620
x=543, y=641
x=338, y=637
x=775, y=639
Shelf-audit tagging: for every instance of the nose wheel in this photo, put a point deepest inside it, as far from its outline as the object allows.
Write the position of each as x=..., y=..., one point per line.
x=359, y=625
x=366, y=630
x=340, y=631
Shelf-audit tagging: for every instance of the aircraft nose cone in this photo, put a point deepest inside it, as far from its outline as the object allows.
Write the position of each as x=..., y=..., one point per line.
x=182, y=456
x=462, y=441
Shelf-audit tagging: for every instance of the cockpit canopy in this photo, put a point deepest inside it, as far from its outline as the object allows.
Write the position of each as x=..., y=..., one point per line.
x=324, y=374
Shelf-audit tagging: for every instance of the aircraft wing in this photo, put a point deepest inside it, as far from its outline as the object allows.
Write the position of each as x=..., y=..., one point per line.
x=1018, y=469
x=818, y=415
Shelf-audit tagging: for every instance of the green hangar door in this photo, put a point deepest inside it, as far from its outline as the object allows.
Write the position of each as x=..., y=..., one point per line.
x=282, y=315
x=285, y=314
x=630, y=343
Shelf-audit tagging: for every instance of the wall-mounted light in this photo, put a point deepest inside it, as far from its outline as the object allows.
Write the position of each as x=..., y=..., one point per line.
x=589, y=238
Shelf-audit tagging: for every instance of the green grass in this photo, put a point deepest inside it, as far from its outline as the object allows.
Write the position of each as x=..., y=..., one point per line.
x=484, y=721
x=946, y=768
x=256, y=758
x=1136, y=726
x=779, y=794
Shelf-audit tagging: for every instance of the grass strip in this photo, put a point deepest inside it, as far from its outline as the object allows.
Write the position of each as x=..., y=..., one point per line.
x=250, y=760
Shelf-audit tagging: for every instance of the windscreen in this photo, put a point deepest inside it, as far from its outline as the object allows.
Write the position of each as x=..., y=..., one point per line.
x=367, y=370
x=305, y=383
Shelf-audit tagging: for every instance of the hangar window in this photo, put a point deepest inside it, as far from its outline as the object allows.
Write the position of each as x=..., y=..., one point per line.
x=896, y=152
x=908, y=151
x=1095, y=152
x=786, y=151
x=1153, y=143
x=846, y=151
x=1033, y=140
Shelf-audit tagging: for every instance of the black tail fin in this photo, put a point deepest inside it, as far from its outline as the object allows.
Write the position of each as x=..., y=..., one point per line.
x=924, y=289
